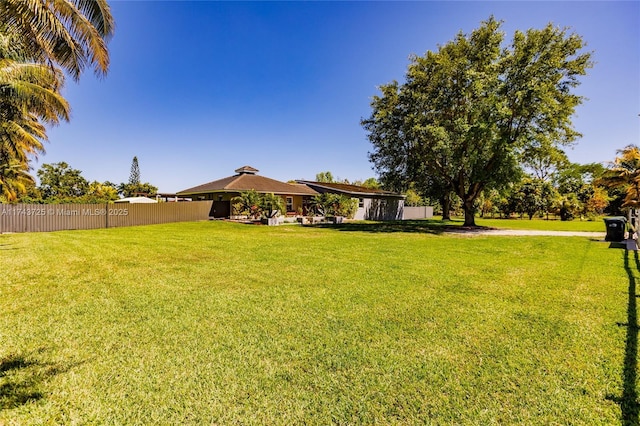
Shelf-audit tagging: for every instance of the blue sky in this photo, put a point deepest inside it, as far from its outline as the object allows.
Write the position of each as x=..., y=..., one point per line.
x=197, y=89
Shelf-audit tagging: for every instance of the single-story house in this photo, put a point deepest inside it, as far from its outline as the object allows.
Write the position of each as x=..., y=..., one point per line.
x=373, y=204
x=222, y=191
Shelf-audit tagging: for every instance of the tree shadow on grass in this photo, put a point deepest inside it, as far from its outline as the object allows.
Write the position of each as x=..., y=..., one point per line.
x=410, y=226
x=629, y=405
x=21, y=378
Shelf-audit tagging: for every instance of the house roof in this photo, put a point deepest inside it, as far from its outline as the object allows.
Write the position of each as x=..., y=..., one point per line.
x=354, y=190
x=136, y=200
x=246, y=180
x=246, y=169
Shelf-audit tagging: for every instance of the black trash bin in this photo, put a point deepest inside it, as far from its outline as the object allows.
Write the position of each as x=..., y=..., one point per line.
x=615, y=228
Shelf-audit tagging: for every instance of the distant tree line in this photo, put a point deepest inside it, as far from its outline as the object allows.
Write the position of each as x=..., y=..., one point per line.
x=573, y=191
x=327, y=177
x=60, y=183
x=563, y=190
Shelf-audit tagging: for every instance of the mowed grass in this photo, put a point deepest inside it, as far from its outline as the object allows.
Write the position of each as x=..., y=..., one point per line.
x=597, y=225
x=220, y=323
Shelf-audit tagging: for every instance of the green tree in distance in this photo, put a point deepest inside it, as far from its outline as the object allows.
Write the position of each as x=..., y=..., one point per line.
x=371, y=183
x=325, y=177
x=60, y=183
x=135, y=190
x=469, y=110
x=134, y=175
x=134, y=187
x=98, y=192
x=544, y=161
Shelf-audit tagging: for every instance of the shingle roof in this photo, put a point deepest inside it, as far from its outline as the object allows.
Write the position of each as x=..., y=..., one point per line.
x=350, y=189
x=247, y=182
x=246, y=169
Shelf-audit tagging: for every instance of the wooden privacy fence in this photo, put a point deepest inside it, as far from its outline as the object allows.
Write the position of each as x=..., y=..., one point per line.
x=58, y=217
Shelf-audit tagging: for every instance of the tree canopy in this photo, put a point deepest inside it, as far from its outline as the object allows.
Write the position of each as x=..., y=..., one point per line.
x=60, y=183
x=70, y=34
x=326, y=177
x=467, y=112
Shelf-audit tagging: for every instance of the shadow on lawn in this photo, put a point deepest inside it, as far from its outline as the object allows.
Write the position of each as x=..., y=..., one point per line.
x=21, y=378
x=630, y=408
x=410, y=226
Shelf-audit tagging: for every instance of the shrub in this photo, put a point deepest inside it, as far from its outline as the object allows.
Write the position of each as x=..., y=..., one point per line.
x=256, y=205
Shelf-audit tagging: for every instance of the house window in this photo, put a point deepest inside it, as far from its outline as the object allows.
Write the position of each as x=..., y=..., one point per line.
x=289, y=204
x=361, y=203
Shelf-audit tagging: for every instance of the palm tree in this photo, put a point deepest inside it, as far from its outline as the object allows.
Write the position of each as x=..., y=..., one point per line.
x=68, y=33
x=39, y=40
x=625, y=173
x=29, y=99
x=249, y=203
x=14, y=178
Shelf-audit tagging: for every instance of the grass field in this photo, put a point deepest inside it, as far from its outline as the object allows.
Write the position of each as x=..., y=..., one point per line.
x=220, y=323
x=547, y=225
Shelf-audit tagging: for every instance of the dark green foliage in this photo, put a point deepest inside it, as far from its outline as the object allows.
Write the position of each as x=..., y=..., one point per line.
x=247, y=203
x=256, y=205
x=272, y=205
x=328, y=204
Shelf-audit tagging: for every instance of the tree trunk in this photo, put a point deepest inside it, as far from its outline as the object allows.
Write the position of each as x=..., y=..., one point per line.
x=469, y=213
x=445, y=201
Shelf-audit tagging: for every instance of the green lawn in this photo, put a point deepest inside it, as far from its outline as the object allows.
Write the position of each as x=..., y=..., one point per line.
x=220, y=323
x=546, y=225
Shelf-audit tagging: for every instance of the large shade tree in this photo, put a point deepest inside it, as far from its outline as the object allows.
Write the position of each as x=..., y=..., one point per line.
x=468, y=111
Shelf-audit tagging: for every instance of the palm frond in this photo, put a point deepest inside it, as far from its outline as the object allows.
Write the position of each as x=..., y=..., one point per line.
x=70, y=33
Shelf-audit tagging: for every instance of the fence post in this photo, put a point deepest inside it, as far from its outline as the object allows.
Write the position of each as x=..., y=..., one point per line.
x=106, y=215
